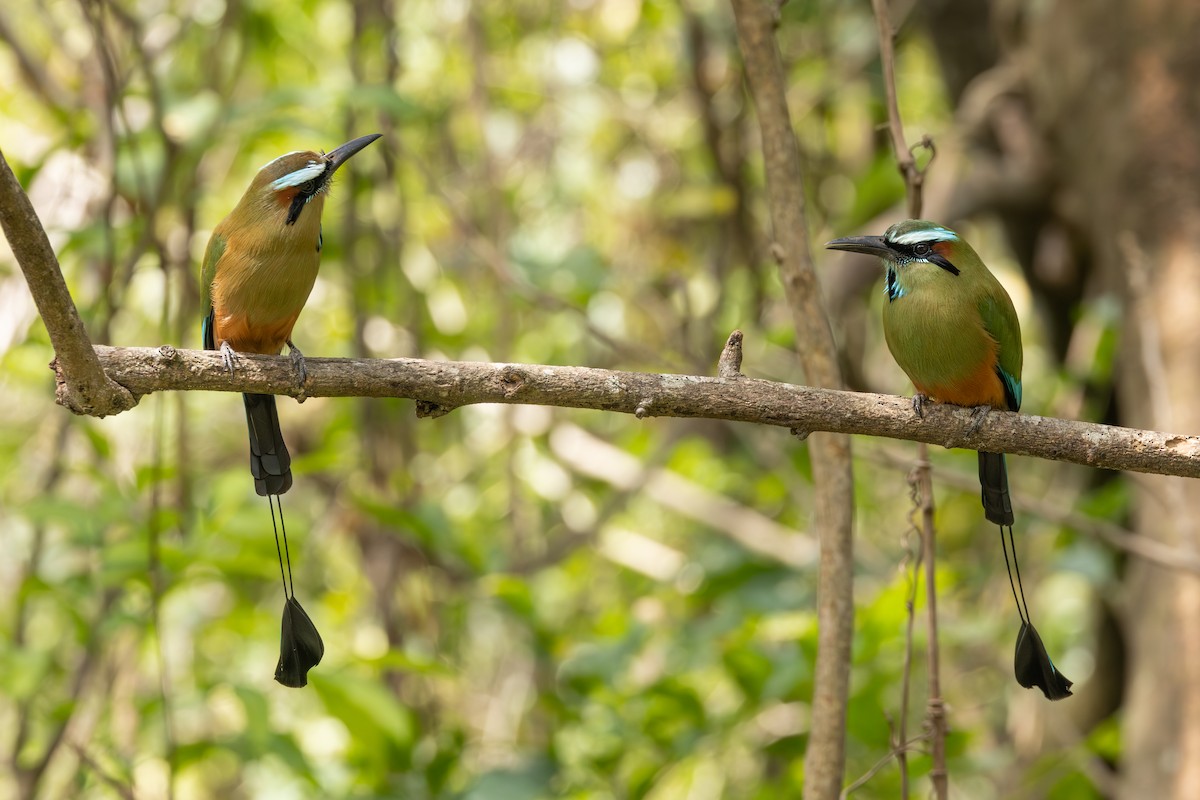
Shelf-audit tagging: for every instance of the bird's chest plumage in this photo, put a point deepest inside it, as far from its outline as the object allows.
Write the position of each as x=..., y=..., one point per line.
x=944, y=348
x=261, y=285
x=269, y=281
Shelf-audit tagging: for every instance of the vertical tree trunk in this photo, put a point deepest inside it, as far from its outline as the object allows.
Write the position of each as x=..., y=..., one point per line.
x=833, y=479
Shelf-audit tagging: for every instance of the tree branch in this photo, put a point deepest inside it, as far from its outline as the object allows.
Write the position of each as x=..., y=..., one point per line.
x=82, y=386
x=441, y=386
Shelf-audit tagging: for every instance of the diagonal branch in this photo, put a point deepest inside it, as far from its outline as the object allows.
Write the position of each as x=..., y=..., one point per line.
x=441, y=386
x=83, y=386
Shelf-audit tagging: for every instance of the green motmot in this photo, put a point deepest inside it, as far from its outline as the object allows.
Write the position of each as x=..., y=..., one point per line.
x=953, y=330
x=259, y=268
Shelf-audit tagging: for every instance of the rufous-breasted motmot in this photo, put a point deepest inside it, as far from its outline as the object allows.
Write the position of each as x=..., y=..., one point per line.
x=953, y=330
x=259, y=268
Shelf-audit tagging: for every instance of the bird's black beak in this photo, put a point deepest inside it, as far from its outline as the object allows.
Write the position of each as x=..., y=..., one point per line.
x=868, y=245
x=341, y=155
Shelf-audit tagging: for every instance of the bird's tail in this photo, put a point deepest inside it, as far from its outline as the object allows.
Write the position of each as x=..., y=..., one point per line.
x=269, y=460
x=993, y=483
x=1031, y=664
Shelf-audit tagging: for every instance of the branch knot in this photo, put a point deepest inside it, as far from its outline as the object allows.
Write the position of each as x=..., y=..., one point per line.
x=512, y=380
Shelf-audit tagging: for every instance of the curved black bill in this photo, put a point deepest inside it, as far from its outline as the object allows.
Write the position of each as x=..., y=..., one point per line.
x=340, y=155
x=1033, y=666
x=300, y=646
x=869, y=245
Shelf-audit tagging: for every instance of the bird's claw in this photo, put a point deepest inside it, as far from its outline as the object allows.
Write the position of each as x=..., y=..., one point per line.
x=229, y=356
x=978, y=415
x=918, y=402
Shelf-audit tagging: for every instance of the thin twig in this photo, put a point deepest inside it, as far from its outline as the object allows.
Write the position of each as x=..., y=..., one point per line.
x=1145, y=547
x=865, y=778
x=910, y=603
x=936, y=709
x=914, y=179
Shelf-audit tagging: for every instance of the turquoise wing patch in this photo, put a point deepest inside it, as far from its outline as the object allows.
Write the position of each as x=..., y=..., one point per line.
x=1012, y=389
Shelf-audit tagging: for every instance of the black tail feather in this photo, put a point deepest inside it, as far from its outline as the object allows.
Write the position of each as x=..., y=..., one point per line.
x=993, y=483
x=1031, y=663
x=300, y=645
x=301, y=648
x=270, y=463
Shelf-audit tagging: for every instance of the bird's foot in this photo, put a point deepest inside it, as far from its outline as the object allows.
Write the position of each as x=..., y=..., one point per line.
x=301, y=370
x=919, y=404
x=229, y=356
x=978, y=415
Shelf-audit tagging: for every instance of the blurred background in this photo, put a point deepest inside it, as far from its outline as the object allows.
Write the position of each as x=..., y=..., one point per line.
x=525, y=602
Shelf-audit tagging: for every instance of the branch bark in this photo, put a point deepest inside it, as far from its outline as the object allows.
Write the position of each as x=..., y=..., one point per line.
x=441, y=386
x=82, y=386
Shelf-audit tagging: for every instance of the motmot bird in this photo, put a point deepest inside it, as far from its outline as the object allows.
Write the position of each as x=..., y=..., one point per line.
x=259, y=269
x=953, y=329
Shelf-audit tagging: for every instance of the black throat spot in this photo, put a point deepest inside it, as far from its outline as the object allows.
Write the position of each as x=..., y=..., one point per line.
x=298, y=204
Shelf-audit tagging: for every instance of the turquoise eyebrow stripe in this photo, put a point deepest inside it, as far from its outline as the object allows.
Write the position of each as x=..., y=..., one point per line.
x=313, y=170
x=927, y=235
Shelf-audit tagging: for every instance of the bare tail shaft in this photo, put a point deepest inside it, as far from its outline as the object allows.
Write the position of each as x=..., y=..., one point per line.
x=269, y=460
x=993, y=483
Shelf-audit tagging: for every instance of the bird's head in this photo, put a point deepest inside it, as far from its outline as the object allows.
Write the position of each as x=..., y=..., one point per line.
x=289, y=184
x=914, y=251
x=911, y=242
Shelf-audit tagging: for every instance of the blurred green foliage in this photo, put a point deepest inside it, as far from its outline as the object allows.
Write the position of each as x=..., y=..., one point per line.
x=568, y=183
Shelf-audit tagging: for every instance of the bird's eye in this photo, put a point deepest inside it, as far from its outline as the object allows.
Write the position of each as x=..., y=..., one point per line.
x=308, y=187
x=921, y=250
